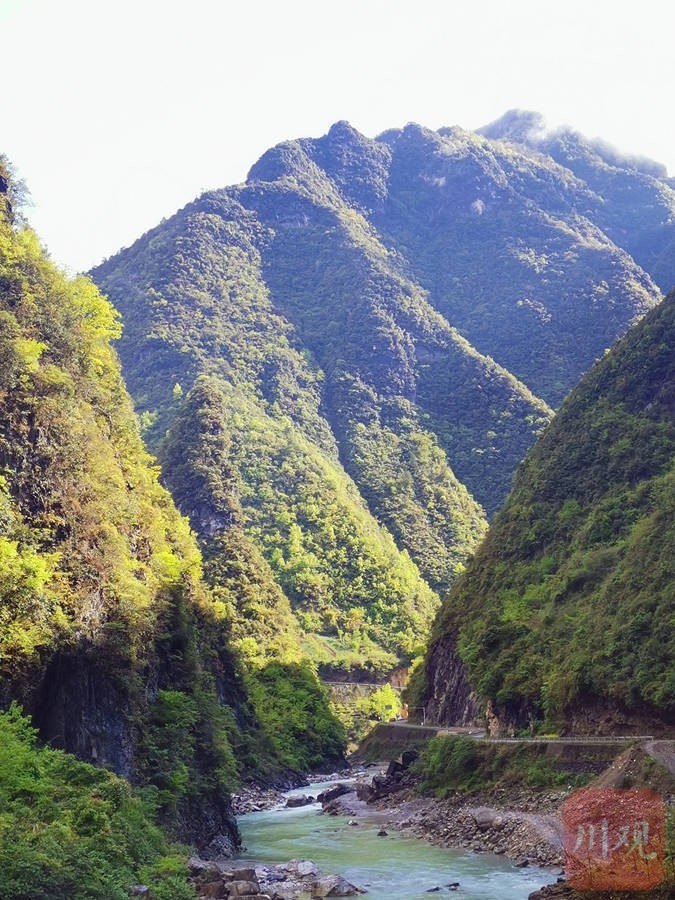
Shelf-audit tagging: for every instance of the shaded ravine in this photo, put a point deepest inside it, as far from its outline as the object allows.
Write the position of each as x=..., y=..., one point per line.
x=394, y=867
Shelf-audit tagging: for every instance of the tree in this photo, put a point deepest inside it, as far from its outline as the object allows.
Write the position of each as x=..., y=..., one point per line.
x=386, y=702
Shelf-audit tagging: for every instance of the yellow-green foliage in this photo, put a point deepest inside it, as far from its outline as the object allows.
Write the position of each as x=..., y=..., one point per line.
x=294, y=711
x=97, y=563
x=89, y=541
x=199, y=471
x=342, y=573
x=70, y=830
x=385, y=703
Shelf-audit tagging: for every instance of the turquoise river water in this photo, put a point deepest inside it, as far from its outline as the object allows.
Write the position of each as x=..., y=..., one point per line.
x=395, y=867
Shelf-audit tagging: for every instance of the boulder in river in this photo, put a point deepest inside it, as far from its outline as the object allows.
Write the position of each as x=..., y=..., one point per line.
x=299, y=800
x=301, y=867
x=334, y=792
x=334, y=886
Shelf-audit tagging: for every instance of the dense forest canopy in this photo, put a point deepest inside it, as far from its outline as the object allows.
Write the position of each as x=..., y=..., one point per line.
x=378, y=330
x=109, y=634
x=568, y=604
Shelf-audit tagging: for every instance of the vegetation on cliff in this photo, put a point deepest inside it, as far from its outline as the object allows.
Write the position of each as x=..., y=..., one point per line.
x=631, y=197
x=68, y=829
x=109, y=635
x=569, y=601
x=275, y=480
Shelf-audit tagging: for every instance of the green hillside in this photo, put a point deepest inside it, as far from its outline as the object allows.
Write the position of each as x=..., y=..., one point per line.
x=348, y=585
x=70, y=830
x=565, y=615
x=504, y=241
x=109, y=635
x=200, y=315
x=372, y=325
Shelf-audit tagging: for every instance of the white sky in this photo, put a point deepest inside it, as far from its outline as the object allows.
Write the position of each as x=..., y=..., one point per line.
x=118, y=112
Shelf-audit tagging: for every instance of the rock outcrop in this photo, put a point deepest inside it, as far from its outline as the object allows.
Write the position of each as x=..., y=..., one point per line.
x=287, y=881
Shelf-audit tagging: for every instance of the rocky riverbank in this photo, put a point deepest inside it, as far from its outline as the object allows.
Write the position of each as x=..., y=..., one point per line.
x=288, y=881
x=255, y=798
x=565, y=892
x=521, y=825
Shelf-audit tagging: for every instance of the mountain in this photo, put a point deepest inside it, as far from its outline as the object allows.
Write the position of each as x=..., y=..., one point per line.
x=109, y=636
x=373, y=333
x=198, y=314
x=633, y=200
x=564, y=616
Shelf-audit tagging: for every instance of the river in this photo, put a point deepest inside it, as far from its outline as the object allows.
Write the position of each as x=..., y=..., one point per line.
x=395, y=867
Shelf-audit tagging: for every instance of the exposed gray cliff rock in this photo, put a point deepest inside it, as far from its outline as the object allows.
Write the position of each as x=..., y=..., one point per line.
x=449, y=698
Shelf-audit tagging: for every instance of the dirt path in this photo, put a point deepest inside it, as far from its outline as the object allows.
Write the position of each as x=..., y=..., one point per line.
x=663, y=752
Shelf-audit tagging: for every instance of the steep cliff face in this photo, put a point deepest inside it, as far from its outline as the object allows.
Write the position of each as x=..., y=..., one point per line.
x=563, y=617
x=449, y=696
x=108, y=635
x=78, y=707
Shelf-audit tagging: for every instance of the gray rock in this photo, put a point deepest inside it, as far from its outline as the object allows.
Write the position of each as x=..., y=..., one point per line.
x=364, y=791
x=302, y=867
x=488, y=818
x=199, y=866
x=247, y=874
x=334, y=886
x=301, y=800
x=290, y=891
x=393, y=768
x=408, y=757
x=214, y=890
x=242, y=889
x=334, y=792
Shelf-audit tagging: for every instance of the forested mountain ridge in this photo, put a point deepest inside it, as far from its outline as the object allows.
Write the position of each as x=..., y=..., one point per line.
x=374, y=324
x=633, y=201
x=109, y=635
x=564, y=616
x=507, y=242
x=298, y=503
